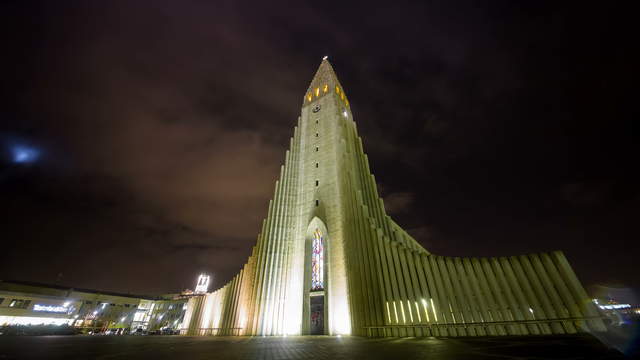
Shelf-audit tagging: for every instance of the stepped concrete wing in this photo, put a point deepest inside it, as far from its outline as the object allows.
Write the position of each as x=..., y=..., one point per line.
x=329, y=260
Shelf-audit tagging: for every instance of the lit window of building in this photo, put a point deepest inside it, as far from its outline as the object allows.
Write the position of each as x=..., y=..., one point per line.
x=317, y=261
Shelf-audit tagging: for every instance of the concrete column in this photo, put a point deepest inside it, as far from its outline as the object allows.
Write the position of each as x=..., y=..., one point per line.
x=535, y=309
x=507, y=290
x=410, y=301
x=541, y=294
x=444, y=307
x=467, y=297
x=434, y=301
x=499, y=296
x=569, y=301
x=397, y=316
x=419, y=316
x=556, y=301
x=456, y=300
x=388, y=294
x=480, y=301
x=401, y=303
x=425, y=301
x=570, y=278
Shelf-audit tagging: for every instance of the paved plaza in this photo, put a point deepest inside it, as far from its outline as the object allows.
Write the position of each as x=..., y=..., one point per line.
x=304, y=347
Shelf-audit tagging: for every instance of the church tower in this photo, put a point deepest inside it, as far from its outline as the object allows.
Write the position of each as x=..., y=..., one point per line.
x=329, y=260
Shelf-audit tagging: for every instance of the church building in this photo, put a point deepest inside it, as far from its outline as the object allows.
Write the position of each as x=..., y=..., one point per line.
x=329, y=260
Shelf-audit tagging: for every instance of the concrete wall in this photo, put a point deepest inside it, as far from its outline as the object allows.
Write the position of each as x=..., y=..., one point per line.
x=379, y=280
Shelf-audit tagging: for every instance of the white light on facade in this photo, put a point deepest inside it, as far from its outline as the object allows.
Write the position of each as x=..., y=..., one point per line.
x=50, y=308
x=410, y=312
x=203, y=284
x=614, y=306
x=66, y=303
x=433, y=308
x=395, y=310
x=29, y=320
x=424, y=305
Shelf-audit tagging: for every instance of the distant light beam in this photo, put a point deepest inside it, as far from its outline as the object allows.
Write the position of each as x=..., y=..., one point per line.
x=24, y=154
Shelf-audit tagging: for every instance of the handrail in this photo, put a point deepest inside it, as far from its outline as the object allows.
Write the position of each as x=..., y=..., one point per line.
x=482, y=323
x=204, y=331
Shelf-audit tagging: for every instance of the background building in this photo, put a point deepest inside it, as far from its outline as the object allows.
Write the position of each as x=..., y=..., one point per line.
x=26, y=303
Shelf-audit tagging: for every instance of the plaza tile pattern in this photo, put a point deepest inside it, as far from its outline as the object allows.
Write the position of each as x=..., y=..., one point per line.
x=303, y=347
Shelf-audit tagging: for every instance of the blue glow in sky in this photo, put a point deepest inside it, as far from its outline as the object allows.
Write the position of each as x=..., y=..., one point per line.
x=24, y=154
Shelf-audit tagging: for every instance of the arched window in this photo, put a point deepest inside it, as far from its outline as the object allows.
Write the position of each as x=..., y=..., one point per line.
x=325, y=88
x=317, y=92
x=317, y=261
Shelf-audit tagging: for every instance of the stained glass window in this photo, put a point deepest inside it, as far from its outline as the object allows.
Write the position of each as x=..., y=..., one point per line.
x=317, y=261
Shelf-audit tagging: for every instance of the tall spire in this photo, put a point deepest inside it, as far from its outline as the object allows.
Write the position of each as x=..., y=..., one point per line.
x=325, y=80
x=324, y=75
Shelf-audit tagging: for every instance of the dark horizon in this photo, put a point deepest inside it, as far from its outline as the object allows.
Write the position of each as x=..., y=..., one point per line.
x=140, y=145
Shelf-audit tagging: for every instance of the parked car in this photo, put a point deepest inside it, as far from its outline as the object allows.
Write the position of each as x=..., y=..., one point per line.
x=114, y=332
x=139, y=331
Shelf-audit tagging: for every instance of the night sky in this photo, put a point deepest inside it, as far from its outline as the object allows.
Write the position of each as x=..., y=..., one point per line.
x=141, y=140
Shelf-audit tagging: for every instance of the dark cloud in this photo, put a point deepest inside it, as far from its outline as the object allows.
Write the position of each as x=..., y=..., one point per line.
x=395, y=203
x=492, y=129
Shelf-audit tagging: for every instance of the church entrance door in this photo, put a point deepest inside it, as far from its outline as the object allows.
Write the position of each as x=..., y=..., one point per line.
x=317, y=315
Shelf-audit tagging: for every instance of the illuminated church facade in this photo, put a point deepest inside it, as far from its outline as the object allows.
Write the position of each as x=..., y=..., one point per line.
x=329, y=260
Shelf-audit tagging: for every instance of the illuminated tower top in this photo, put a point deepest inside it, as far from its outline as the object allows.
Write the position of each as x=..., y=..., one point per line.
x=324, y=82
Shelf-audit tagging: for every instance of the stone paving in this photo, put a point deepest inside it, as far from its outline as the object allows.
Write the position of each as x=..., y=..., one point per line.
x=302, y=347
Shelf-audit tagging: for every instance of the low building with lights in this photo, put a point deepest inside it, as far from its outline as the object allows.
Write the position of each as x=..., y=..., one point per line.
x=329, y=260
x=616, y=313
x=27, y=303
